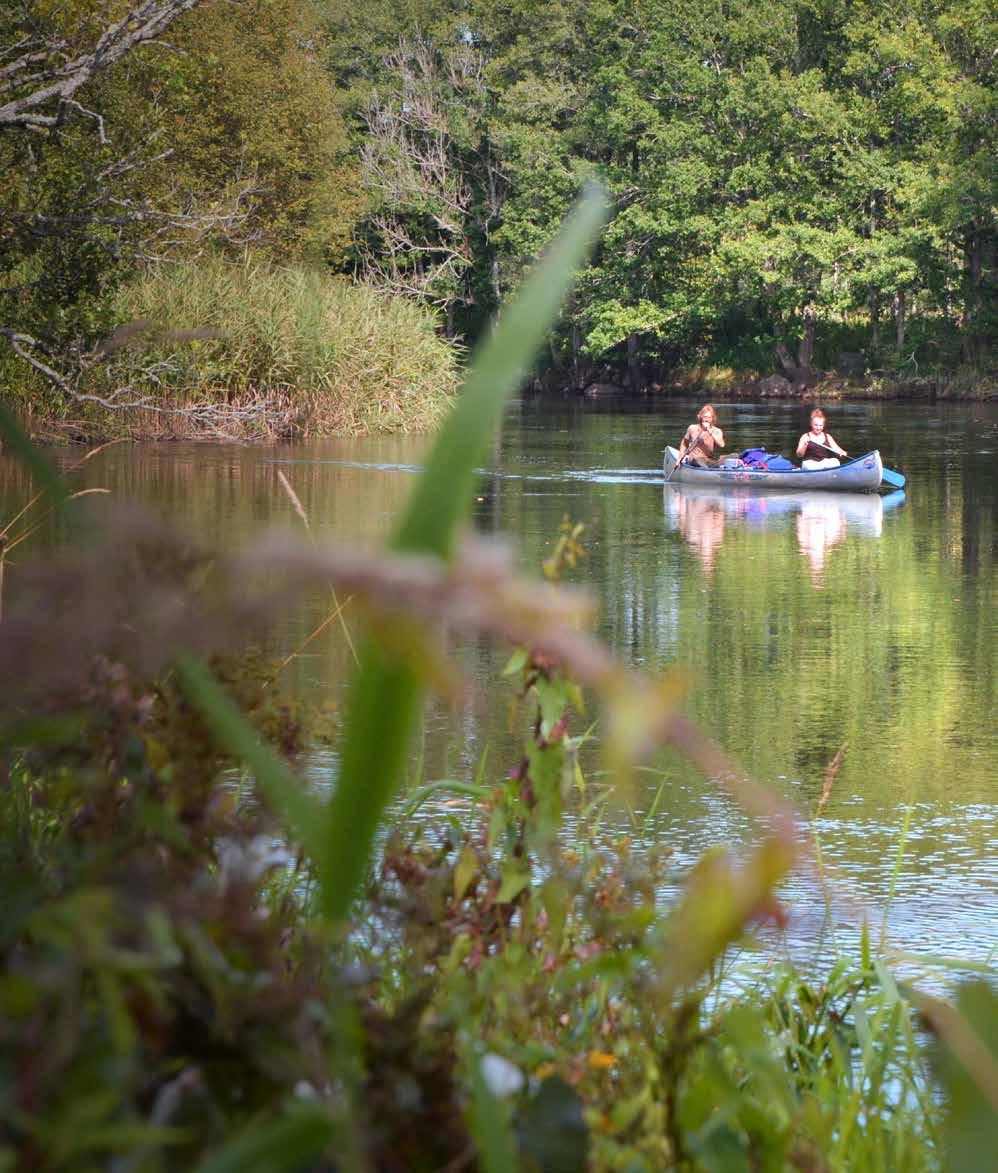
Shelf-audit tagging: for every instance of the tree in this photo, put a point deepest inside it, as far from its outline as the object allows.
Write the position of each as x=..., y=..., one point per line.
x=226, y=137
x=50, y=60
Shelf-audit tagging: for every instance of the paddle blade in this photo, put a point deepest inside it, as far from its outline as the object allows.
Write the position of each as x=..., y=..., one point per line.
x=893, y=478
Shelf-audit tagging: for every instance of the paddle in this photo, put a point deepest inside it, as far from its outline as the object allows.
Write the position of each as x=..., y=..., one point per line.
x=680, y=459
x=891, y=477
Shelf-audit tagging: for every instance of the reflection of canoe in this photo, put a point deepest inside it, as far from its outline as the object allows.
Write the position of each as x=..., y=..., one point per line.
x=862, y=475
x=861, y=512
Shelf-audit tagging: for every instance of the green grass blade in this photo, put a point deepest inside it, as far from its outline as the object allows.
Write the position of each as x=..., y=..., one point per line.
x=384, y=701
x=303, y=814
x=386, y=691
x=491, y=1128
x=295, y=1142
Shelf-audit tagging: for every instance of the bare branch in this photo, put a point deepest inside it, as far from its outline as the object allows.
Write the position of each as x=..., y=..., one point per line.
x=18, y=342
x=50, y=90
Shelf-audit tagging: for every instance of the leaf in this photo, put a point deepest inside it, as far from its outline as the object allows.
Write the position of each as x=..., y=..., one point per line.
x=386, y=691
x=465, y=871
x=490, y=1127
x=443, y=493
x=42, y=470
x=967, y=1061
x=291, y=1143
x=553, y=698
x=546, y=765
x=516, y=663
x=515, y=878
x=552, y=1129
x=556, y=901
x=283, y=790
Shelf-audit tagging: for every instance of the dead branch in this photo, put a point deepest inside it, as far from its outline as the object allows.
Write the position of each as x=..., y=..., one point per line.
x=48, y=81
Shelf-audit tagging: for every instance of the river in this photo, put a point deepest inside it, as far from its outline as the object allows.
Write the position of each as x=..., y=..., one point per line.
x=805, y=625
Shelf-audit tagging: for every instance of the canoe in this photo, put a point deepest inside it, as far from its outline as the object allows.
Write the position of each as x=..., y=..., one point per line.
x=862, y=475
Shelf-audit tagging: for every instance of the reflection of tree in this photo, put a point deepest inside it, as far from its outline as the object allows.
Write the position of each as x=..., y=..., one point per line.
x=820, y=525
x=701, y=522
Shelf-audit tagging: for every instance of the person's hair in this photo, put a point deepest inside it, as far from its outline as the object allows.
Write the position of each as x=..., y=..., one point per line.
x=706, y=407
x=817, y=411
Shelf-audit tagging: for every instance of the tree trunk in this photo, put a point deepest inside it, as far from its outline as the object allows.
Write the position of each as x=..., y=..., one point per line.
x=805, y=352
x=785, y=359
x=979, y=249
x=874, y=322
x=633, y=363
x=900, y=318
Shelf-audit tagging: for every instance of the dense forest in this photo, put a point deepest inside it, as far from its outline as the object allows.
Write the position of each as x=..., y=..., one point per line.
x=795, y=184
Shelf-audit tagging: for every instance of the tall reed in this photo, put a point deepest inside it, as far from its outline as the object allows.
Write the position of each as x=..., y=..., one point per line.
x=250, y=349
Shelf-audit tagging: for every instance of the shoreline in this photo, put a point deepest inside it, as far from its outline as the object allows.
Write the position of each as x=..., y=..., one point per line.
x=961, y=385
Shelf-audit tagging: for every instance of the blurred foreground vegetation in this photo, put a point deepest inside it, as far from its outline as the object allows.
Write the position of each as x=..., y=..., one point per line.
x=220, y=969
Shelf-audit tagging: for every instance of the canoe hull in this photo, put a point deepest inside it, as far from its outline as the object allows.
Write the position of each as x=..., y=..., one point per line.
x=862, y=475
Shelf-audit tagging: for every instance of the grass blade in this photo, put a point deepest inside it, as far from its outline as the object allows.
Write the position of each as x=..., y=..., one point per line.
x=295, y=1142
x=387, y=690
x=303, y=814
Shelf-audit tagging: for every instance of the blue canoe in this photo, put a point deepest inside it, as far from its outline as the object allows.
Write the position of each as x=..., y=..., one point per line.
x=862, y=475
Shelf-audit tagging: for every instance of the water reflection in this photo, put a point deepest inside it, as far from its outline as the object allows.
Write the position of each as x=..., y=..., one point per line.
x=700, y=519
x=821, y=520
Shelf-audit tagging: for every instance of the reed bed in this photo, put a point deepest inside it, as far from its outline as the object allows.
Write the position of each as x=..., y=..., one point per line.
x=253, y=351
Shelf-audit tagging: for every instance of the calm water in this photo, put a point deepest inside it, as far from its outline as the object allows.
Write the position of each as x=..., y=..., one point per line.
x=805, y=623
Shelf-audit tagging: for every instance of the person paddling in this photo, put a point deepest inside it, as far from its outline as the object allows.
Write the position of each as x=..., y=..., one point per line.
x=818, y=447
x=701, y=439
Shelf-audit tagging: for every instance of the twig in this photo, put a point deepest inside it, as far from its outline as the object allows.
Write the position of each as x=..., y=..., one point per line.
x=830, y=772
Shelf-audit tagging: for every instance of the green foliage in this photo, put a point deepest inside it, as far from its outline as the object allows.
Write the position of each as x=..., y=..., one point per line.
x=228, y=137
x=781, y=173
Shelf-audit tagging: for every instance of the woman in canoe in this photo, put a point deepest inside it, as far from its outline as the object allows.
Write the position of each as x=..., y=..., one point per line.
x=701, y=439
x=818, y=447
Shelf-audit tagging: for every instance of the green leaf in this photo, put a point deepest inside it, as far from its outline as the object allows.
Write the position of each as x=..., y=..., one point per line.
x=516, y=663
x=386, y=692
x=971, y=1079
x=552, y=1129
x=284, y=791
x=547, y=765
x=490, y=1128
x=515, y=878
x=291, y=1143
x=465, y=871
x=553, y=696
x=443, y=493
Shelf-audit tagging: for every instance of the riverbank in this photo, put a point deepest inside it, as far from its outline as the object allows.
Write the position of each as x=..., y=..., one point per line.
x=966, y=383
x=247, y=351
x=969, y=384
